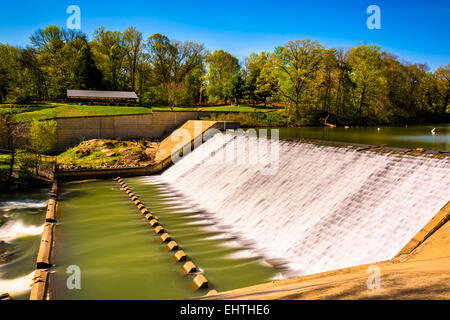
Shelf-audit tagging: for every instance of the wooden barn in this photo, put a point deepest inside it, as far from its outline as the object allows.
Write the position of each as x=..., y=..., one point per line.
x=103, y=97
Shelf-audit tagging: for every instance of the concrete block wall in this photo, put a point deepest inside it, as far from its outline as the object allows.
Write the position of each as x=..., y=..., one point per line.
x=153, y=125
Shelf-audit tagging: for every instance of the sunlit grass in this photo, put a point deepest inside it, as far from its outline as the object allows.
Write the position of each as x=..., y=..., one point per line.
x=51, y=111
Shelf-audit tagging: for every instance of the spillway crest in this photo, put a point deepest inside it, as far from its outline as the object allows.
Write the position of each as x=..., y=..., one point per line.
x=323, y=207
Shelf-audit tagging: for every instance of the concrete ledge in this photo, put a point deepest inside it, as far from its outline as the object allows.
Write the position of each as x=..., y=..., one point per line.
x=40, y=285
x=45, y=249
x=50, y=215
x=44, y=257
x=434, y=224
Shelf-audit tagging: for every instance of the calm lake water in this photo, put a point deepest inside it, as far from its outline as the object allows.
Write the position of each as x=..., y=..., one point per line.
x=404, y=137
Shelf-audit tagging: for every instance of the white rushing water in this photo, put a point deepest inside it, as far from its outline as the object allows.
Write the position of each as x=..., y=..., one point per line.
x=14, y=229
x=325, y=208
x=18, y=285
x=22, y=204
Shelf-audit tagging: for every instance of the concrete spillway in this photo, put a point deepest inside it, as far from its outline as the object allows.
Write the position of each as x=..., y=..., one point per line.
x=322, y=208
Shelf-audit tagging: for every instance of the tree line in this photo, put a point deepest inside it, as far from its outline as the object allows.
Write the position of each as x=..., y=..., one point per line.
x=361, y=85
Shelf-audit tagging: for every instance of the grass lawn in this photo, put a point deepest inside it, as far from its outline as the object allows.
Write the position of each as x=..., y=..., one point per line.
x=104, y=152
x=50, y=111
x=239, y=108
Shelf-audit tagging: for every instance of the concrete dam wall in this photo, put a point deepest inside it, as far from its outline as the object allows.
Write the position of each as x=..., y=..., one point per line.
x=152, y=125
x=322, y=207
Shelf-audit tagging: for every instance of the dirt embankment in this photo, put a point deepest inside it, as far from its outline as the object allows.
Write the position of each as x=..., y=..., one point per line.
x=100, y=153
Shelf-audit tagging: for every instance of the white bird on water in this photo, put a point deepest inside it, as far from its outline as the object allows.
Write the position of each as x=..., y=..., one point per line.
x=433, y=131
x=378, y=129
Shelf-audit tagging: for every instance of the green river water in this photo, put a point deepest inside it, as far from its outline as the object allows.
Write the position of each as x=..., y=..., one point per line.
x=119, y=256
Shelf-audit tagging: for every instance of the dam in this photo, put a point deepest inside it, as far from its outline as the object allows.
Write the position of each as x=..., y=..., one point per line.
x=247, y=210
x=325, y=208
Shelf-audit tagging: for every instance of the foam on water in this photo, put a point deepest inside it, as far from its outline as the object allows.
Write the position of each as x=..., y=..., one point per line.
x=14, y=229
x=17, y=286
x=325, y=208
x=23, y=204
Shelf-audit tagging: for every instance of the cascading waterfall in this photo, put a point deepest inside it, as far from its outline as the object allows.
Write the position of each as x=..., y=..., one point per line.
x=15, y=229
x=322, y=208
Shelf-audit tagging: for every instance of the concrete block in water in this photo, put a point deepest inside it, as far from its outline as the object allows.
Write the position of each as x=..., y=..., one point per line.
x=50, y=216
x=188, y=267
x=54, y=191
x=164, y=237
x=144, y=211
x=129, y=192
x=153, y=223
x=140, y=206
x=200, y=282
x=179, y=256
x=45, y=249
x=148, y=216
x=137, y=201
x=172, y=245
x=131, y=195
x=158, y=230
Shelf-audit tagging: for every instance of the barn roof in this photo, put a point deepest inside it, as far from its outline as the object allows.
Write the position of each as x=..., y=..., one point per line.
x=101, y=94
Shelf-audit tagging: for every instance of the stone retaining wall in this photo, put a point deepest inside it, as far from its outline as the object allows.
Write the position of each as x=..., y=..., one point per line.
x=152, y=125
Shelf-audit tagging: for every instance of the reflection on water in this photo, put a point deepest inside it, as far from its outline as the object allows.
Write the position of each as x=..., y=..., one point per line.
x=405, y=137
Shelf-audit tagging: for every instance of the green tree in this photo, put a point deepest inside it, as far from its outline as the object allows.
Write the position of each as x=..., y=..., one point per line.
x=86, y=75
x=297, y=63
x=109, y=53
x=267, y=84
x=254, y=64
x=222, y=66
x=177, y=65
x=134, y=45
x=366, y=65
x=43, y=138
x=13, y=134
x=234, y=87
x=443, y=85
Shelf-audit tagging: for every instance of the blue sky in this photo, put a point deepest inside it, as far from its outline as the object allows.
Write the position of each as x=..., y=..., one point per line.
x=417, y=31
